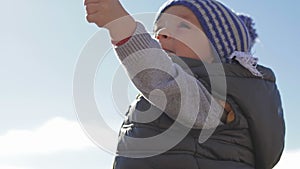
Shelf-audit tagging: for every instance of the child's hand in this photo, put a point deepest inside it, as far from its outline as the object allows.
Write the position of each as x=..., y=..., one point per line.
x=110, y=14
x=102, y=12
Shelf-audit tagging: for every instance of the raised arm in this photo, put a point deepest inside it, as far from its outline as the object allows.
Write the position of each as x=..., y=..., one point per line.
x=164, y=83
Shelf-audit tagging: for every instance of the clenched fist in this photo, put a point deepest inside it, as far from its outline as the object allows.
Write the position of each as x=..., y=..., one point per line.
x=110, y=14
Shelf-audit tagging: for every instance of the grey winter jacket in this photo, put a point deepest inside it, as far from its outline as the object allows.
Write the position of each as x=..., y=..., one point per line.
x=255, y=139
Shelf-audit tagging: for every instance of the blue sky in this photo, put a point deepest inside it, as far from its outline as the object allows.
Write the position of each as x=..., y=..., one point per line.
x=40, y=44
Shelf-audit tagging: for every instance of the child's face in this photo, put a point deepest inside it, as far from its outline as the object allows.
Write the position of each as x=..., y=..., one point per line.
x=179, y=31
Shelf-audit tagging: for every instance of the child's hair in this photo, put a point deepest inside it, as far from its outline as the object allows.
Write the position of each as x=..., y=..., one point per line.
x=231, y=34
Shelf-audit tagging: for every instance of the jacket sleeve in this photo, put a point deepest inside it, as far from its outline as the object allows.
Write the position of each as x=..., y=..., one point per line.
x=165, y=84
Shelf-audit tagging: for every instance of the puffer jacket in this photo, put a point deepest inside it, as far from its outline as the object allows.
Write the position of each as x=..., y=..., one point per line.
x=254, y=139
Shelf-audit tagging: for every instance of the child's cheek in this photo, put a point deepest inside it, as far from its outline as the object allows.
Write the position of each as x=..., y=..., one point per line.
x=184, y=36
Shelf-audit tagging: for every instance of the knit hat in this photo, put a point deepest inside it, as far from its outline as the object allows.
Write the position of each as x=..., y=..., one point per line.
x=232, y=35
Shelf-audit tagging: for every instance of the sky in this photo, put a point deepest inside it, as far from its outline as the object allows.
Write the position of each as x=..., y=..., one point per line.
x=40, y=46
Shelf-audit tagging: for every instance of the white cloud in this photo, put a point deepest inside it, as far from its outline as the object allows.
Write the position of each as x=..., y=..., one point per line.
x=290, y=159
x=56, y=135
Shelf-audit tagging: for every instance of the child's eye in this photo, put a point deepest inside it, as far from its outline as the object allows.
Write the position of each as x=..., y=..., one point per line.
x=184, y=25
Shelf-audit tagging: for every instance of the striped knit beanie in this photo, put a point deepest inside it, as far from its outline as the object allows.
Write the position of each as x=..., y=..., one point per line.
x=232, y=35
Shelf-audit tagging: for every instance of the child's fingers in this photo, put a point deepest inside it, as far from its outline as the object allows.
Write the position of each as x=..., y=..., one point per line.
x=101, y=12
x=96, y=18
x=92, y=9
x=86, y=2
x=92, y=18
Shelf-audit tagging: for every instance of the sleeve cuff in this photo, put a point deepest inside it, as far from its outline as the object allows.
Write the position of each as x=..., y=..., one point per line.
x=139, y=41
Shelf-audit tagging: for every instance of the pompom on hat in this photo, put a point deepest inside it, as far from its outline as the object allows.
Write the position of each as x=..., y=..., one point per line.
x=232, y=35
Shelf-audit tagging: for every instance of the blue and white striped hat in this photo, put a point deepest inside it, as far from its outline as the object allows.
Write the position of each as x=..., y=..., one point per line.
x=231, y=34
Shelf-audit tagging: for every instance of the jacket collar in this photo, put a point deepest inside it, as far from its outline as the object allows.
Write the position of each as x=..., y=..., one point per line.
x=218, y=69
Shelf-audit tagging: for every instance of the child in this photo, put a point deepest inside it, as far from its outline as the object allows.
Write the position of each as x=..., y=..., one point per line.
x=177, y=75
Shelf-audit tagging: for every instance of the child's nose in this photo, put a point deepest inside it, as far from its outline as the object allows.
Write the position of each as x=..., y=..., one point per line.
x=163, y=34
